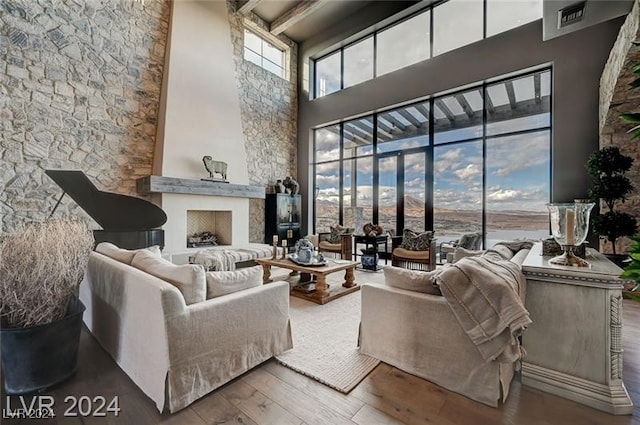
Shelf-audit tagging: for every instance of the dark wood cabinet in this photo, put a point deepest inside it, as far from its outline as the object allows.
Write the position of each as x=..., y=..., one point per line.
x=282, y=217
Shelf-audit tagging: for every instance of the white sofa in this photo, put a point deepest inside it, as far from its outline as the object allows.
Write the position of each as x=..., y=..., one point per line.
x=177, y=353
x=418, y=332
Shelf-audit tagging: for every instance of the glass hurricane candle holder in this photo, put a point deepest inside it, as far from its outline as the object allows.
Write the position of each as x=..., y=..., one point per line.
x=569, y=227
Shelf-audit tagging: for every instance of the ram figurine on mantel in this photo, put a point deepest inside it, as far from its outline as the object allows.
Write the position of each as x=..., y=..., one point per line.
x=213, y=167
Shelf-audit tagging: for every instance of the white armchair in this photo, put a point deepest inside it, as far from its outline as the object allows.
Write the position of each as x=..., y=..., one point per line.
x=417, y=331
x=470, y=241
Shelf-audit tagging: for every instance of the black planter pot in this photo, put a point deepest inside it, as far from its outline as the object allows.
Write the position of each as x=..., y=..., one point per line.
x=620, y=260
x=38, y=357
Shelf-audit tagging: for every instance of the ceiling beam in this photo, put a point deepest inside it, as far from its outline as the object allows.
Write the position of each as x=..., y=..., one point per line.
x=362, y=126
x=526, y=108
x=423, y=110
x=465, y=105
x=353, y=136
x=300, y=11
x=511, y=94
x=536, y=87
x=384, y=131
x=444, y=109
x=383, y=126
x=407, y=116
x=357, y=131
x=393, y=120
x=246, y=6
x=409, y=132
x=488, y=103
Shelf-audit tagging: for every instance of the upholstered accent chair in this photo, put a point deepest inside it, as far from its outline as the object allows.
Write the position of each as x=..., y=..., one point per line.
x=469, y=241
x=337, y=243
x=416, y=251
x=406, y=323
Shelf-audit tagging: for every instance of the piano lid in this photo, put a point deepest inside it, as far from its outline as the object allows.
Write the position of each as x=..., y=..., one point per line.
x=112, y=211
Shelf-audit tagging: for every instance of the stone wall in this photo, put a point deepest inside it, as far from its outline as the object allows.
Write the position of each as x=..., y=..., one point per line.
x=268, y=106
x=617, y=98
x=79, y=89
x=80, y=83
x=616, y=64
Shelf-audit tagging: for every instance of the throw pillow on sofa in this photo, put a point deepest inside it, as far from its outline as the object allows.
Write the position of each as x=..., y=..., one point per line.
x=414, y=241
x=412, y=280
x=336, y=232
x=124, y=255
x=188, y=278
x=221, y=283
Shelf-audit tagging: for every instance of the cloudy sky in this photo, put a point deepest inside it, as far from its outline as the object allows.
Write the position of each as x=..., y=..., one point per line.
x=517, y=175
x=518, y=169
x=517, y=172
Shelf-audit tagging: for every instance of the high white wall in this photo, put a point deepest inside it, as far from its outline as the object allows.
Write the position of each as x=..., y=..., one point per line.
x=200, y=115
x=200, y=95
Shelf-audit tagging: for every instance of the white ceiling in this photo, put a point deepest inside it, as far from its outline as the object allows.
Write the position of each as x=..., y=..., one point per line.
x=327, y=13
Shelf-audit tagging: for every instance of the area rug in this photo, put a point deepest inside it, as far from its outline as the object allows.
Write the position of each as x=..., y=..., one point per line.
x=325, y=339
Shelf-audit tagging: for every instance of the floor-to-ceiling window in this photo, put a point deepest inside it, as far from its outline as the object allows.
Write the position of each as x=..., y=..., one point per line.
x=518, y=134
x=357, y=190
x=402, y=147
x=327, y=177
x=477, y=159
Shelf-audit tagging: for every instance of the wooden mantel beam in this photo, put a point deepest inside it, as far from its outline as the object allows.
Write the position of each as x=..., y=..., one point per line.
x=300, y=11
x=246, y=6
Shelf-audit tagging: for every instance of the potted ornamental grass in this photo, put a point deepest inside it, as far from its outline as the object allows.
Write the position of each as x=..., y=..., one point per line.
x=41, y=267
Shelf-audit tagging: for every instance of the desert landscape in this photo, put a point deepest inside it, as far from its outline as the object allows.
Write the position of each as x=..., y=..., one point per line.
x=448, y=223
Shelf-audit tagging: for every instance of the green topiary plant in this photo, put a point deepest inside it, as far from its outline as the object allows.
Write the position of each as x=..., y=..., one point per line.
x=607, y=167
x=632, y=270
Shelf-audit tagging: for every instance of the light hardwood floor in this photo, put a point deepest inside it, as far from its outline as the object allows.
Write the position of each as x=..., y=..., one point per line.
x=272, y=394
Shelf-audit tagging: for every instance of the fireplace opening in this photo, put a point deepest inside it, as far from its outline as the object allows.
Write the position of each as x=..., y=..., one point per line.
x=208, y=228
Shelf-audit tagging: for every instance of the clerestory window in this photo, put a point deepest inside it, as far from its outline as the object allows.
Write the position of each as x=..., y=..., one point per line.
x=437, y=29
x=263, y=53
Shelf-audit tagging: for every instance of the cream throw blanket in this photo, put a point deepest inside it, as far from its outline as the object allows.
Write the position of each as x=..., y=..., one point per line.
x=215, y=260
x=486, y=296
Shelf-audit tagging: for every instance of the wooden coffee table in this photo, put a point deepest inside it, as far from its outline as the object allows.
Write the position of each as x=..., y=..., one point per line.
x=318, y=290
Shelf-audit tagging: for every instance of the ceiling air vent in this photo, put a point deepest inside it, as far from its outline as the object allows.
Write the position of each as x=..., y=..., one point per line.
x=561, y=17
x=571, y=14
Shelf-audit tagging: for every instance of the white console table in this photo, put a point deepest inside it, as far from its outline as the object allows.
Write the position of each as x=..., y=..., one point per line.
x=574, y=345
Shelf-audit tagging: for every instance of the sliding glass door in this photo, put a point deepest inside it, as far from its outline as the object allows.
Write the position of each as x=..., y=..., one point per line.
x=388, y=195
x=415, y=196
x=402, y=194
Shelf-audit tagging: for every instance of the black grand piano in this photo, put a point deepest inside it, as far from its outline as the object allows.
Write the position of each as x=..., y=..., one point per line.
x=127, y=221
